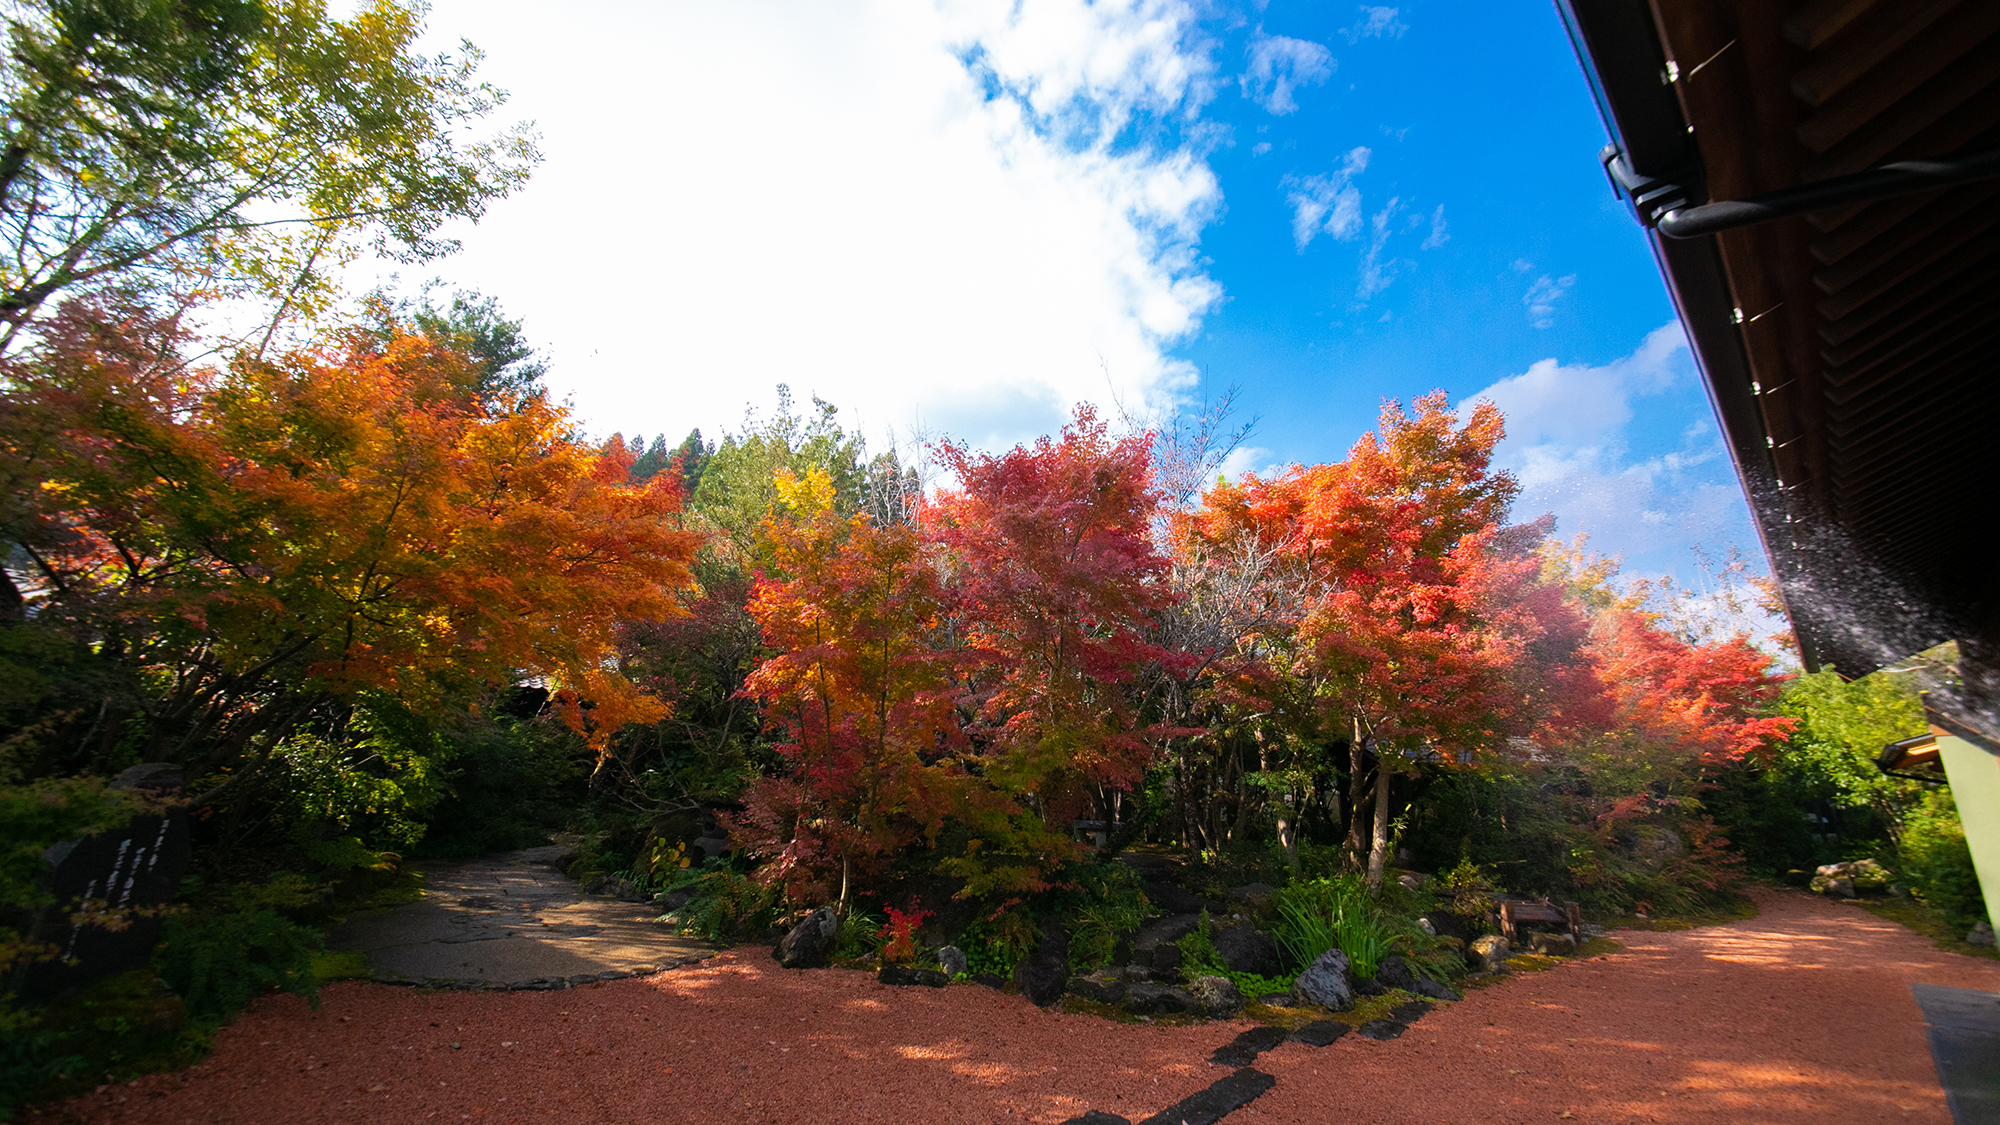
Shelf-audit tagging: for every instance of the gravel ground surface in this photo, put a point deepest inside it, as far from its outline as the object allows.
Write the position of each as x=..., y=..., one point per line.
x=1803, y=1014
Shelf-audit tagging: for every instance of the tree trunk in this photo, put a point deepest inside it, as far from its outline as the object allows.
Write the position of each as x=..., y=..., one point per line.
x=1379, y=847
x=1356, y=795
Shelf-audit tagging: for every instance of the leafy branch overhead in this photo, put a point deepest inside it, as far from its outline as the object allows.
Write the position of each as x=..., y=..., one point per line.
x=250, y=147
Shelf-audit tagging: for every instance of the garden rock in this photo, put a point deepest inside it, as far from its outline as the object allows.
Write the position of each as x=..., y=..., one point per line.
x=1166, y=959
x=990, y=980
x=1396, y=972
x=1162, y=932
x=1246, y=949
x=1552, y=945
x=1218, y=997
x=1446, y=924
x=809, y=945
x=1489, y=954
x=903, y=976
x=1654, y=846
x=1097, y=988
x=1172, y=899
x=1044, y=973
x=1158, y=999
x=953, y=961
x=1252, y=898
x=1848, y=880
x=1328, y=982
x=1982, y=934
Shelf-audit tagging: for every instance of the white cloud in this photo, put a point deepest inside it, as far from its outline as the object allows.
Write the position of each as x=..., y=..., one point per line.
x=1246, y=459
x=1279, y=66
x=1569, y=444
x=1375, y=23
x=1440, y=232
x=912, y=210
x=1376, y=274
x=1542, y=296
x=1329, y=204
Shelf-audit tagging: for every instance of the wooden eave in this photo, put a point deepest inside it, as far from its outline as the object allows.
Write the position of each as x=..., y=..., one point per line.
x=1850, y=353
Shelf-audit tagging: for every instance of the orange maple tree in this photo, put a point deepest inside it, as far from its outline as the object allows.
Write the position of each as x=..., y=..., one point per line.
x=1414, y=625
x=270, y=535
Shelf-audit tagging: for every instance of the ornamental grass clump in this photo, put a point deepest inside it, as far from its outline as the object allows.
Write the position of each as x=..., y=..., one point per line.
x=1335, y=913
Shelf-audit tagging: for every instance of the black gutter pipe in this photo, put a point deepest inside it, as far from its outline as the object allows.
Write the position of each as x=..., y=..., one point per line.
x=1902, y=178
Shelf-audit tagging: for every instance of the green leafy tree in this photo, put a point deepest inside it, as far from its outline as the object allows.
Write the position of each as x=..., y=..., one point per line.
x=1843, y=726
x=159, y=145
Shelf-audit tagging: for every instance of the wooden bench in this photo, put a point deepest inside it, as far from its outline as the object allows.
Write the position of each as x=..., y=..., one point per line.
x=1568, y=914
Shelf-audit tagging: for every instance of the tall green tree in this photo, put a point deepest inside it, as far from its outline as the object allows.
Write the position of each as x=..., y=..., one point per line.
x=253, y=147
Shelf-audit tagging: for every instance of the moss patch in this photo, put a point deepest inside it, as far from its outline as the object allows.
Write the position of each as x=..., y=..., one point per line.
x=340, y=966
x=406, y=885
x=1916, y=916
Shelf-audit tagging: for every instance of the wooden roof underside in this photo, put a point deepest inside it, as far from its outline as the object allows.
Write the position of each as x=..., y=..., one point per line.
x=1860, y=394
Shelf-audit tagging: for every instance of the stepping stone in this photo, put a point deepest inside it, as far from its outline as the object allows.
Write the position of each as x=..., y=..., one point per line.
x=1320, y=1033
x=1380, y=1030
x=1244, y=1049
x=1223, y=1097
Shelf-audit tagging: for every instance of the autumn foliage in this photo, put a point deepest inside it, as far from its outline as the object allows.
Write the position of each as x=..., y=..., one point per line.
x=271, y=535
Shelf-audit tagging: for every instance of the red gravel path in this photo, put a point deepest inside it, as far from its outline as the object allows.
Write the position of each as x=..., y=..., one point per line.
x=1802, y=1014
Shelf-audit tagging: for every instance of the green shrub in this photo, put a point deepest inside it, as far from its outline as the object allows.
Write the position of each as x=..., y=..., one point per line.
x=219, y=962
x=1467, y=891
x=1937, y=863
x=725, y=904
x=1100, y=902
x=30, y=1056
x=998, y=942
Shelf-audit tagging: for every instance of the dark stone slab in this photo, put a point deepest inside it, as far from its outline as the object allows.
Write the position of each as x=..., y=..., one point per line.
x=1244, y=1049
x=903, y=976
x=1098, y=1117
x=1221, y=1098
x=1158, y=999
x=1320, y=1033
x=1409, y=1013
x=990, y=980
x=134, y=867
x=1965, y=1047
x=1382, y=1029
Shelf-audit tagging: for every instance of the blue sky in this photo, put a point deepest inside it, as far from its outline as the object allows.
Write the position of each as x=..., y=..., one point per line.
x=962, y=218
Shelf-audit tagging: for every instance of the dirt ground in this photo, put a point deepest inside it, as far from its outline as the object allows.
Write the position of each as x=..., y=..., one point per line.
x=1802, y=1014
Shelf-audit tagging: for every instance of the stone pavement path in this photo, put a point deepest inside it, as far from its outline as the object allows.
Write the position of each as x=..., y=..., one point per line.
x=512, y=921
